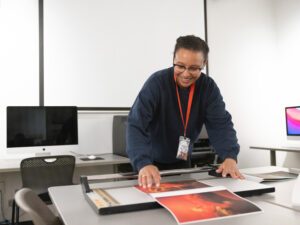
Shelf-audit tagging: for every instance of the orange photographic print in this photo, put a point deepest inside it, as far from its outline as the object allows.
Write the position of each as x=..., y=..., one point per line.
x=196, y=207
x=173, y=186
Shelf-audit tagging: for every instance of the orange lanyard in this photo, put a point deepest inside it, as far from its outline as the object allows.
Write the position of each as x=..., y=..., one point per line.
x=188, y=112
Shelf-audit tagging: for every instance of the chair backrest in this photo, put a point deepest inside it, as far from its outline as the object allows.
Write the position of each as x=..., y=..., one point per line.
x=40, y=173
x=38, y=211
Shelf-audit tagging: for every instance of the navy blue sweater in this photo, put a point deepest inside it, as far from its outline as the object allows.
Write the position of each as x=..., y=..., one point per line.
x=154, y=122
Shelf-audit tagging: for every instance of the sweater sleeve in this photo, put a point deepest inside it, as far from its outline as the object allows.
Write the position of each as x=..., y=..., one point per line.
x=138, y=139
x=219, y=125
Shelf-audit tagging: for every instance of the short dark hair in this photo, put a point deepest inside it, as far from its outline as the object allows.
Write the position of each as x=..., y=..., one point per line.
x=191, y=42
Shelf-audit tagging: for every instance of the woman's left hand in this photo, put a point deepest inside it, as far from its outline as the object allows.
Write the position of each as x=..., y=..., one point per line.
x=229, y=166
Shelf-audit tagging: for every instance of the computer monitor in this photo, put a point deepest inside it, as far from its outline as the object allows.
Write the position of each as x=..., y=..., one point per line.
x=292, y=115
x=30, y=126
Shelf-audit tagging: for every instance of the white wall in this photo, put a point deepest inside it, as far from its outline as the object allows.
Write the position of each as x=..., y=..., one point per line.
x=254, y=53
x=95, y=131
x=287, y=17
x=100, y=52
x=97, y=53
x=18, y=58
x=251, y=45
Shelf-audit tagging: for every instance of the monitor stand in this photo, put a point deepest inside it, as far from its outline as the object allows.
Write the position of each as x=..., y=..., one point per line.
x=41, y=154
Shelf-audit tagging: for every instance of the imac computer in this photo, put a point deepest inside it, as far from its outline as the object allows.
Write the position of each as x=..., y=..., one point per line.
x=292, y=115
x=41, y=129
x=292, y=119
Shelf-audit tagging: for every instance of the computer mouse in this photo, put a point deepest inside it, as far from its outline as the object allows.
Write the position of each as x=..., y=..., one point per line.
x=91, y=157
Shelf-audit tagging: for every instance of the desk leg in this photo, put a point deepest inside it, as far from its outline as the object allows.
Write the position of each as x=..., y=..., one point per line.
x=273, y=157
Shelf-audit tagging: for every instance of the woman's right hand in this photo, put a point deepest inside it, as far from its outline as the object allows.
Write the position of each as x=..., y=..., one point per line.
x=149, y=176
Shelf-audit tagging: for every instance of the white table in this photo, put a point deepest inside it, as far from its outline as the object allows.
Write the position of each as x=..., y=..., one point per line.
x=13, y=164
x=75, y=210
x=274, y=149
x=284, y=188
x=10, y=178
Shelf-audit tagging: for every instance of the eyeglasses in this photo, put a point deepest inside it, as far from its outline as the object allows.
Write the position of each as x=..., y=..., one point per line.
x=192, y=70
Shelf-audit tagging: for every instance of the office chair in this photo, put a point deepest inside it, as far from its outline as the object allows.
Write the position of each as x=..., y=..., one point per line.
x=40, y=173
x=119, y=141
x=37, y=210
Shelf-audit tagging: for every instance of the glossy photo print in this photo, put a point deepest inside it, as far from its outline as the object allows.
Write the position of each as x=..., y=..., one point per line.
x=173, y=186
x=197, y=206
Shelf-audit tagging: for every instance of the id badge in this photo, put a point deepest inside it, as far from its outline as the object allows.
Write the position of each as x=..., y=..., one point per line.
x=183, y=148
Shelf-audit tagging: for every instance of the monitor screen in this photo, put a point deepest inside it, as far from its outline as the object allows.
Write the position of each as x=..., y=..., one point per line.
x=292, y=115
x=29, y=126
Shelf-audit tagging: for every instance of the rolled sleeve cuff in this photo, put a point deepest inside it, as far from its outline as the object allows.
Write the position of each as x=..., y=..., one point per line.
x=143, y=163
x=230, y=155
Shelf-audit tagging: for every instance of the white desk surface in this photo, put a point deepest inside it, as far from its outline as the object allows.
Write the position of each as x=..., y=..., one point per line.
x=13, y=165
x=277, y=148
x=283, y=189
x=75, y=210
x=263, y=169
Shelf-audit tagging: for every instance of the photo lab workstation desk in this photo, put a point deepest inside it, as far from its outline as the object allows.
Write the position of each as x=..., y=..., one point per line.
x=13, y=164
x=10, y=177
x=273, y=151
x=277, y=209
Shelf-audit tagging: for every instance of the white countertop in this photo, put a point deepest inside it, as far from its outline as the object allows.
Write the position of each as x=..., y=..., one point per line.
x=13, y=164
